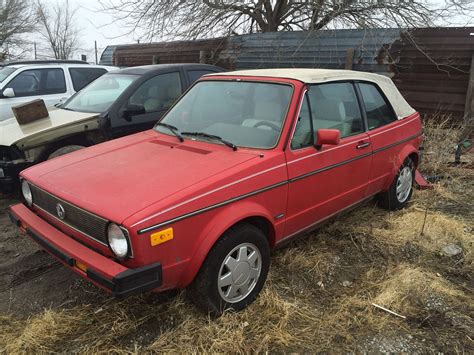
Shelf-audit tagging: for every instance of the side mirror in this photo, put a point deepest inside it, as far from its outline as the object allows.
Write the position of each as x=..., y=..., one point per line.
x=132, y=110
x=327, y=136
x=8, y=92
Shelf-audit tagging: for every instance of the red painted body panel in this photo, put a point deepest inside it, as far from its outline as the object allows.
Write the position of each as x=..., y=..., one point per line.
x=60, y=240
x=150, y=179
x=422, y=183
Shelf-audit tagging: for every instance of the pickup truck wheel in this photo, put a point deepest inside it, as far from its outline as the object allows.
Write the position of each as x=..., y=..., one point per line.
x=234, y=271
x=401, y=189
x=64, y=150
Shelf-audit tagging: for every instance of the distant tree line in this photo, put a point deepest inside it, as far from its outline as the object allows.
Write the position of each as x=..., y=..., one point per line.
x=209, y=18
x=53, y=26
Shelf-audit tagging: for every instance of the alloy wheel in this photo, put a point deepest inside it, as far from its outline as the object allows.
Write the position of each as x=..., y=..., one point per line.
x=239, y=272
x=404, y=184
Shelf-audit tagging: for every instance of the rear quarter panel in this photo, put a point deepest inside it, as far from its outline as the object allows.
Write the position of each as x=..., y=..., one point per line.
x=391, y=145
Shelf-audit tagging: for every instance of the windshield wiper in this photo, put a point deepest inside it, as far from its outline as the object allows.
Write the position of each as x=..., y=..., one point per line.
x=172, y=129
x=211, y=136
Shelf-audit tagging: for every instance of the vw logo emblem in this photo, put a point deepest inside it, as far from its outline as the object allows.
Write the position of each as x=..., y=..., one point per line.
x=60, y=211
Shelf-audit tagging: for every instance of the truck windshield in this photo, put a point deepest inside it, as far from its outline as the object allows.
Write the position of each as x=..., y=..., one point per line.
x=6, y=72
x=100, y=94
x=248, y=114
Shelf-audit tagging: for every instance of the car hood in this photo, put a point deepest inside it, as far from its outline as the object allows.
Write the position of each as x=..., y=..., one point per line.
x=11, y=132
x=119, y=178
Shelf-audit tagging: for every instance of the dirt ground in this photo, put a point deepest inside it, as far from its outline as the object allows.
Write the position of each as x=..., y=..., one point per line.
x=319, y=296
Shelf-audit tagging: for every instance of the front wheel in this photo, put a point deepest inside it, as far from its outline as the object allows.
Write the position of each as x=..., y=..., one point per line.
x=234, y=271
x=401, y=189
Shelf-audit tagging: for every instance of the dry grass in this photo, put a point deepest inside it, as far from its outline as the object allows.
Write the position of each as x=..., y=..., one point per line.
x=320, y=289
x=409, y=290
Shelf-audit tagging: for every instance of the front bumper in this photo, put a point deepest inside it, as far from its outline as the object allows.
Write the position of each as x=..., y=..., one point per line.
x=97, y=268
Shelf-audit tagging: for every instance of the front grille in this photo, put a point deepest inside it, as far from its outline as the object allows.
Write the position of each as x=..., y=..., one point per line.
x=84, y=222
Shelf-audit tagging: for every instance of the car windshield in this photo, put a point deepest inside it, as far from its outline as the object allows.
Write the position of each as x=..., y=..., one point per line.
x=6, y=72
x=100, y=94
x=247, y=114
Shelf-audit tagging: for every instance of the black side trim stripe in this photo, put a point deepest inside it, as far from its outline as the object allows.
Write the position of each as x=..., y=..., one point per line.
x=353, y=159
x=270, y=187
x=209, y=208
x=397, y=143
x=329, y=167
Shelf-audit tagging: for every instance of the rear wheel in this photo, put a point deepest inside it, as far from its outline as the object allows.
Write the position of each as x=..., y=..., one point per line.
x=401, y=189
x=234, y=271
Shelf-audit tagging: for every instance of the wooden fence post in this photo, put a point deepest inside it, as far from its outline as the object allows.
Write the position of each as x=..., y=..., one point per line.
x=349, y=59
x=202, y=57
x=469, y=106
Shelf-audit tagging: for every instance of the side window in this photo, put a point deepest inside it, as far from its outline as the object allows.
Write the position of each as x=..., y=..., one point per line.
x=157, y=93
x=38, y=82
x=378, y=111
x=335, y=106
x=82, y=77
x=196, y=74
x=54, y=82
x=303, y=136
x=26, y=83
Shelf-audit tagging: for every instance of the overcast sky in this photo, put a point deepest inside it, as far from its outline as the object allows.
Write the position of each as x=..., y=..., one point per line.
x=95, y=25
x=98, y=26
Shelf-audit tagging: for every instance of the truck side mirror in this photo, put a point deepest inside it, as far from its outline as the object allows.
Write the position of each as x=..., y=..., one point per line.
x=8, y=92
x=327, y=136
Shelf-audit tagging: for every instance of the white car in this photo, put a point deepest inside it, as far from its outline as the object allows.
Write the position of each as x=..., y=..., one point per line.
x=53, y=81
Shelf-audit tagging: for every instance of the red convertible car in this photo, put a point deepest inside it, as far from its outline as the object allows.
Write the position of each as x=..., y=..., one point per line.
x=242, y=162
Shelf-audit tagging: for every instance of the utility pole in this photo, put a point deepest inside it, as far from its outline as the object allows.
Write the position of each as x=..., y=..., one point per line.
x=34, y=44
x=95, y=46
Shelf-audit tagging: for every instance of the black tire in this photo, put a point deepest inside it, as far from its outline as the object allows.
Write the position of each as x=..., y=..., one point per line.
x=205, y=291
x=389, y=199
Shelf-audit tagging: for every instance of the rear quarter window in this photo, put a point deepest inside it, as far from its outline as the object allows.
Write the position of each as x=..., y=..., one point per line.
x=378, y=110
x=82, y=77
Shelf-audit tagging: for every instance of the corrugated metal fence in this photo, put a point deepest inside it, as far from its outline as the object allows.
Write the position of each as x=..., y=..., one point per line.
x=430, y=66
x=318, y=49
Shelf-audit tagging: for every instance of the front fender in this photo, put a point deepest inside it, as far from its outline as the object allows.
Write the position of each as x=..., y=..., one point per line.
x=215, y=228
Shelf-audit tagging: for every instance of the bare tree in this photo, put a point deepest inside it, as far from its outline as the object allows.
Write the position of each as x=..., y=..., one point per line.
x=206, y=18
x=16, y=19
x=58, y=28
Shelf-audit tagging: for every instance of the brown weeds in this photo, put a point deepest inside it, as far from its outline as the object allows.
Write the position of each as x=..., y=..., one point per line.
x=320, y=289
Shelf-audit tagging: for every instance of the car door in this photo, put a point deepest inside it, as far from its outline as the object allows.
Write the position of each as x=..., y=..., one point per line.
x=48, y=84
x=146, y=104
x=323, y=182
x=382, y=126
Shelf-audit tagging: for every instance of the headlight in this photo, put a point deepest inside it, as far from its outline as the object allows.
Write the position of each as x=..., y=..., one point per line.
x=26, y=191
x=118, y=241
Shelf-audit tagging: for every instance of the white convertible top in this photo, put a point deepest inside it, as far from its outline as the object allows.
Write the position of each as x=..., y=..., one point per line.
x=317, y=76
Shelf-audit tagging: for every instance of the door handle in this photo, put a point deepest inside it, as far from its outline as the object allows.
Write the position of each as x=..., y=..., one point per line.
x=363, y=145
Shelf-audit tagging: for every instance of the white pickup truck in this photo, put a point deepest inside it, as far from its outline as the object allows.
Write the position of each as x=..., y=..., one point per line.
x=53, y=81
